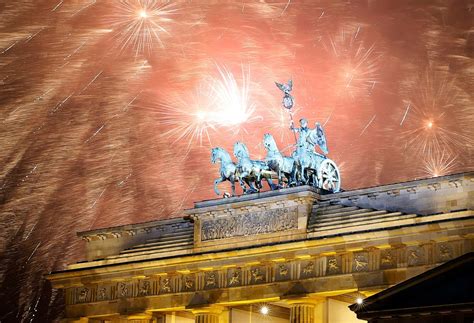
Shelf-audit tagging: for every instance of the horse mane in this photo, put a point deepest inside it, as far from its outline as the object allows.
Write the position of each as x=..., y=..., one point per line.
x=275, y=146
x=242, y=147
x=224, y=153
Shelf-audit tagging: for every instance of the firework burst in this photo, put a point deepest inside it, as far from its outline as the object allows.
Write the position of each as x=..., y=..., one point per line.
x=233, y=103
x=219, y=102
x=439, y=164
x=187, y=116
x=437, y=120
x=141, y=24
x=356, y=63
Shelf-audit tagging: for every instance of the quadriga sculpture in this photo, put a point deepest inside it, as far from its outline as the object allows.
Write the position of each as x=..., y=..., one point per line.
x=282, y=165
x=251, y=171
x=305, y=167
x=227, y=169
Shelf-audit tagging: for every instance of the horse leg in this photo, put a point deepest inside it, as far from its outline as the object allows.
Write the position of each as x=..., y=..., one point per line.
x=293, y=176
x=270, y=183
x=244, y=179
x=217, y=181
x=280, y=179
x=302, y=175
x=232, y=183
x=258, y=180
x=252, y=188
x=315, y=180
x=242, y=184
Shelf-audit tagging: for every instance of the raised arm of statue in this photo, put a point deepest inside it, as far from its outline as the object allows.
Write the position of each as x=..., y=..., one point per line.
x=292, y=128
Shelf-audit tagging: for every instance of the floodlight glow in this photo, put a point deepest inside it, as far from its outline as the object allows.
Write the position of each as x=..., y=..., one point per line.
x=359, y=300
x=264, y=310
x=143, y=14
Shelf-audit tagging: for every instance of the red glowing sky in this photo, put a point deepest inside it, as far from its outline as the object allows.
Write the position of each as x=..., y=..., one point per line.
x=99, y=104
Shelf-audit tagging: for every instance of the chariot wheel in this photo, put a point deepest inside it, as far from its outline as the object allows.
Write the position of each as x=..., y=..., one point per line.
x=329, y=177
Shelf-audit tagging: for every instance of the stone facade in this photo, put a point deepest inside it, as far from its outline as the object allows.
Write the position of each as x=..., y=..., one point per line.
x=292, y=248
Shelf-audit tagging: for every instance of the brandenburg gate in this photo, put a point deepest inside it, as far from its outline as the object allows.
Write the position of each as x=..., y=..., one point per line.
x=288, y=255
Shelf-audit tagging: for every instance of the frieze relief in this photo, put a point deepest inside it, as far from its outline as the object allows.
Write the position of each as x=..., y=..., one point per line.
x=102, y=294
x=144, y=288
x=189, y=283
x=123, y=289
x=388, y=259
x=415, y=256
x=166, y=285
x=361, y=262
x=445, y=252
x=258, y=275
x=234, y=277
x=308, y=269
x=265, y=273
x=282, y=271
x=83, y=295
x=333, y=265
x=211, y=280
x=268, y=221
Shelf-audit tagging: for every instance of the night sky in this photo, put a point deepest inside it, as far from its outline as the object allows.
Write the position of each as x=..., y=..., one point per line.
x=109, y=109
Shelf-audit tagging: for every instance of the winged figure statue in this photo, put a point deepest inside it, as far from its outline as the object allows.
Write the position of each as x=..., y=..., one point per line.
x=288, y=100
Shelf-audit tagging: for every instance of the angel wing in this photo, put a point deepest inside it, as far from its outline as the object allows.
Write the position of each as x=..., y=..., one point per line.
x=321, y=138
x=280, y=86
x=290, y=85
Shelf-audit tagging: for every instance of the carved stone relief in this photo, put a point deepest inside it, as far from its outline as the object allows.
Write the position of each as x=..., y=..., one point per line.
x=122, y=289
x=210, y=280
x=102, y=294
x=445, y=251
x=282, y=271
x=234, y=277
x=83, y=295
x=267, y=221
x=307, y=269
x=257, y=275
x=165, y=285
x=415, y=256
x=144, y=288
x=361, y=262
x=388, y=259
x=189, y=283
x=333, y=265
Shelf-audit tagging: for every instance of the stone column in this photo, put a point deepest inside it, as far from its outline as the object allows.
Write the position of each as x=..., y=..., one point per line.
x=302, y=312
x=307, y=309
x=207, y=314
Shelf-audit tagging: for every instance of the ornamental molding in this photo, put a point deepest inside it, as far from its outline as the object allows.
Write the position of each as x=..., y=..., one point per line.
x=268, y=272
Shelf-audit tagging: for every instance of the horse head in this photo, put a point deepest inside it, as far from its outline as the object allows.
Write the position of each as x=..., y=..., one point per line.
x=214, y=155
x=240, y=150
x=269, y=142
x=221, y=154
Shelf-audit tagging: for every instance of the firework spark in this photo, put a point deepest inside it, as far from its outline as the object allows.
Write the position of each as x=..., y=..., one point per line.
x=234, y=107
x=218, y=102
x=106, y=98
x=141, y=24
x=357, y=64
x=438, y=120
x=439, y=164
